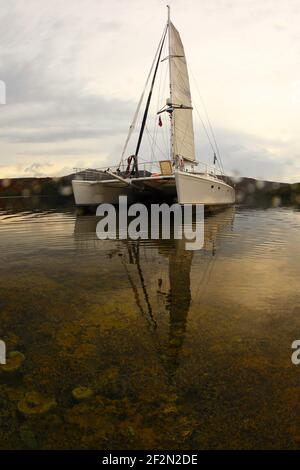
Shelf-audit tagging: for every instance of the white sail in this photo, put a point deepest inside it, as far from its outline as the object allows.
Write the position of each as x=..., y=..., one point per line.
x=182, y=120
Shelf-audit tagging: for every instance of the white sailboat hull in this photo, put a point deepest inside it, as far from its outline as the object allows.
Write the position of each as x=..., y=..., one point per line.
x=187, y=188
x=193, y=188
x=93, y=193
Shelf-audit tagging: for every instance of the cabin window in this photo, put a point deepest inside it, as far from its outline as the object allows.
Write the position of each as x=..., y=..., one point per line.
x=212, y=186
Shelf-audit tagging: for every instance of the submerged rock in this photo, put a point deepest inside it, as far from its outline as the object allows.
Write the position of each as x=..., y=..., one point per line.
x=34, y=404
x=82, y=393
x=14, y=361
x=27, y=436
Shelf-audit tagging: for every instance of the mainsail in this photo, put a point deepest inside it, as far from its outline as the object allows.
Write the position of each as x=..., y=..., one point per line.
x=182, y=120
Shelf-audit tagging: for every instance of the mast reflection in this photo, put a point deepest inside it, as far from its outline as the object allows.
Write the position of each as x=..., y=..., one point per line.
x=160, y=288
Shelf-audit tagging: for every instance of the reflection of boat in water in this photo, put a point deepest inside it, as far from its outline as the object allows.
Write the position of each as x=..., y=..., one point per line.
x=159, y=276
x=178, y=301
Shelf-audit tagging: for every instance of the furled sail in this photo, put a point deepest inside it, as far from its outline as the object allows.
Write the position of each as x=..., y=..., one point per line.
x=182, y=119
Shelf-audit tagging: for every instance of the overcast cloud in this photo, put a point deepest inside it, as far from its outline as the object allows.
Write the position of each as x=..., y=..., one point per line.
x=74, y=71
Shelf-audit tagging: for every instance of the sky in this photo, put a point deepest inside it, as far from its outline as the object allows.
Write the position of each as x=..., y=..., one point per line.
x=74, y=71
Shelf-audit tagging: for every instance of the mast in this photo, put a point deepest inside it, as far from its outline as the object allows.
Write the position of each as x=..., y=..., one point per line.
x=148, y=102
x=171, y=126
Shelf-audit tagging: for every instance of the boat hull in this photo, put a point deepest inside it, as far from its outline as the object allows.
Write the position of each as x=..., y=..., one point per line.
x=93, y=193
x=193, y=188
x=186, y=188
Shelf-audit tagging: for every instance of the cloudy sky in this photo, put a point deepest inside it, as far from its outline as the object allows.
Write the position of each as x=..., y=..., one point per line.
x=74, y=70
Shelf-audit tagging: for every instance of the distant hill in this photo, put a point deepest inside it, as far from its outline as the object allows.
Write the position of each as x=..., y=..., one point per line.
x=251, y=191
x=58, y=187
x=248, y=190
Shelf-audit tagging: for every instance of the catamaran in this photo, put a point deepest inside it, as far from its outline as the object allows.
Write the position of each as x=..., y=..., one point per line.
x=179, y=176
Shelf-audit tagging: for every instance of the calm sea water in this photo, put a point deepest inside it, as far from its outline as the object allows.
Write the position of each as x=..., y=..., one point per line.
x=179, y=349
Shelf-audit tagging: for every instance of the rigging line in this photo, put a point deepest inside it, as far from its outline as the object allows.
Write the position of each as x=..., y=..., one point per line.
x=154, y=164
x=204, y=127
x=208, y=120
x=161, y=85
x=165, y=140
x=155, y=117
x=134, y=289
x=165, y=131
x=151, y=320
x=136, y=253
x=163, y=81
x=155, y=143
x=151, y=145
x=148, y=101
x=132, y=126
x=145, y=160
x=203, y=124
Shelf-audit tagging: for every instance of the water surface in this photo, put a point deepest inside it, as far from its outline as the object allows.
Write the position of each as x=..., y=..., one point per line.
x=181, y=349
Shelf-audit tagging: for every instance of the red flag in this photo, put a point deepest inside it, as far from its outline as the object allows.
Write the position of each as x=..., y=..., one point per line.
x=159, y=122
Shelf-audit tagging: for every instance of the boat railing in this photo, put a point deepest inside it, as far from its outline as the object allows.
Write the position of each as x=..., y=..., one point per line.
x=206, y=169
x=145, y=169
x=95, y=174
